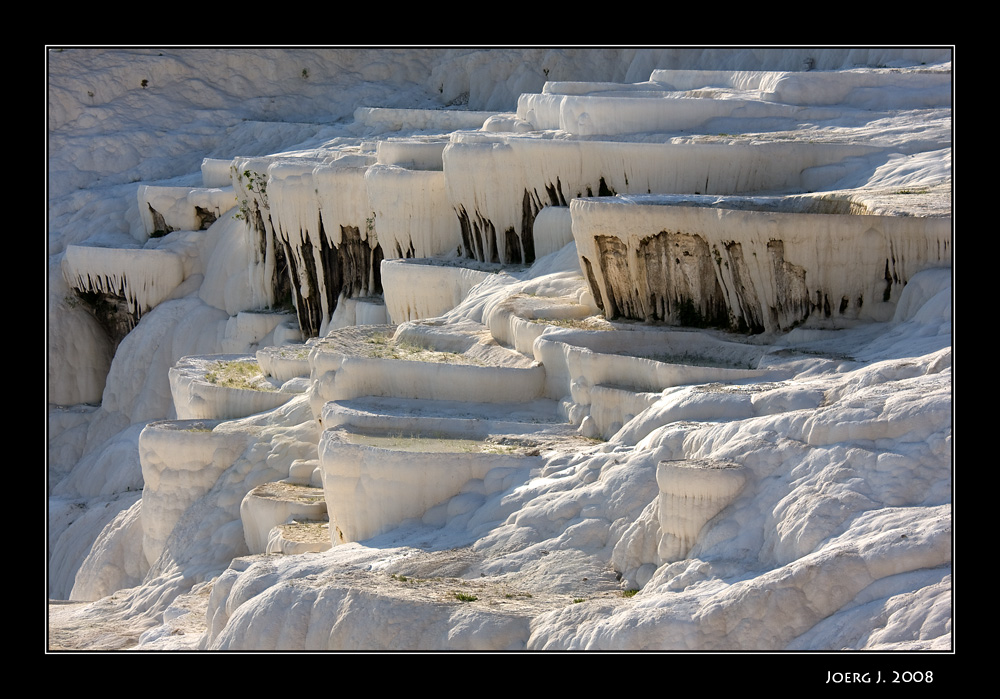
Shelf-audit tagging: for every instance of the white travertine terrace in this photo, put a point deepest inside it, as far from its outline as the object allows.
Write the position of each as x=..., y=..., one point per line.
x=284, y=362
x=142, y=277
x=217, y=173
x=685, y=334
x=181, y=461
x=578, y=362
x=419, y=288
x=196, y=396
x=358, y=376
x=392, y=120
x=678, y=100
x=516, y=177
x=413, y=153
x=759, y=269
x=411, y=212
x=271, y=505
x=166, y=209
x=853, y=88
x=691, y=494
x=375, y=489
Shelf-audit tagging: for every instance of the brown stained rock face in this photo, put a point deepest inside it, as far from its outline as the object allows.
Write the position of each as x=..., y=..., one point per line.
x=678, y=278
x=671, y=278
x=352, y=268
x=792, y=305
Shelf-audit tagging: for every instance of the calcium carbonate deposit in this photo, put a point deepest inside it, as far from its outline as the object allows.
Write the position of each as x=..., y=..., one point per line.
x=468, y=349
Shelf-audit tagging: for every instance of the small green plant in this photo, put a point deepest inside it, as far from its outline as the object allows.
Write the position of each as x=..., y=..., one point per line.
x=238, y=374
x=294, y=352
x=305, y=74
x=462, y=597
x=256, y=183
x=629, y=593
x=717, y=255
x=383, y=347
x=592, y=323
x=577, y=600
x=489, y=448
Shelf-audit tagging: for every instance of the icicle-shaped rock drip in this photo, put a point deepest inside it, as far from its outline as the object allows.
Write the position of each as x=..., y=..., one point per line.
x=166, y=209
x=691, y=493
x=412, y=212
x=250, y=184
x=326, y=226
x=139, y=278
x=495, y=204
x=497, y=184
x=750, y=264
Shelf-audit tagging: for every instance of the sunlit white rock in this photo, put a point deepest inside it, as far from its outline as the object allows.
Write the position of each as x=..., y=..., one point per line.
x=142, y=277
x=180, y=463
x=165, y=209
x=762, y=269
x=200, y=388
x=845, y=514
x=425, y=288
x=692, y=493
x=272, y=504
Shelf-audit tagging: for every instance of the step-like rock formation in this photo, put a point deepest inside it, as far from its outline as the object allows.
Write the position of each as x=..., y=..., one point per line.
x=747, y=265
x=688, y=334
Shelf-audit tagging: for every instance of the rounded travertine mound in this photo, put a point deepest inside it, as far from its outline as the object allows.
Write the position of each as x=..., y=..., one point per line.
x=305, y=472
x=181, y=461
x=691, y=493
x=253, y=328
x=112, y=563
